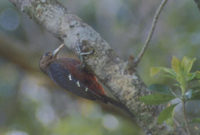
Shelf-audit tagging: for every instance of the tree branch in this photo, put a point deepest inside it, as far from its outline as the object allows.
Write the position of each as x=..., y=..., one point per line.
x=19, y=54
x=104, y=62
x=150, y=34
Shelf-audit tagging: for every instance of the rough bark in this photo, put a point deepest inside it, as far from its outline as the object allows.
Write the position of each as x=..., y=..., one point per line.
x=126, y=86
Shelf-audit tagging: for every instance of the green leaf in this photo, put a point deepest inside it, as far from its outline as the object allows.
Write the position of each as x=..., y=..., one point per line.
x=191, y=76
x=195, y=95
x=181, y=77
x=196, y=120
x=170, y=121
x=155, y=99
x=176, y=64
x=167, y=113
x=154, y=71
x=168, y=71
x=187, y=64
x=159, y=88
x=197, y=75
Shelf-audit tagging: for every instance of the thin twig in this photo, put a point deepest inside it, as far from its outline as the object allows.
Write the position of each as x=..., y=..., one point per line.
x=185, y=118
x=150, y=34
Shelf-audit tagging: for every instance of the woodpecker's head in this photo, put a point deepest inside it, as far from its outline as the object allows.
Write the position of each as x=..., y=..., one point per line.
x=49, y=57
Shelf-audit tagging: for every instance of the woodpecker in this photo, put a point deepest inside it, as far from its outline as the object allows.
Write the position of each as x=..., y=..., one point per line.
x=69, y=74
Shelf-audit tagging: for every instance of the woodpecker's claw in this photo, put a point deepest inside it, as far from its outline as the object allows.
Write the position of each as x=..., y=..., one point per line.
x=81, y=54
x=86, y=53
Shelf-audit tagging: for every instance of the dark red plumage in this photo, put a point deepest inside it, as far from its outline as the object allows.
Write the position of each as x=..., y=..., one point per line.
x=69, y=74
x=88, y=79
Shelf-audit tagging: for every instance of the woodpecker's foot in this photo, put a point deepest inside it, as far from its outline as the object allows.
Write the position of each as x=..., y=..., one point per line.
x=81, y=54
x=82, y=51
x=86, y=53
x=81, y=57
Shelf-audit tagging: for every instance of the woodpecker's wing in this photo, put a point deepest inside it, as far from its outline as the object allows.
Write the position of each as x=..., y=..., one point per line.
x=88, y=79
x=79, y=82
x=66, y=80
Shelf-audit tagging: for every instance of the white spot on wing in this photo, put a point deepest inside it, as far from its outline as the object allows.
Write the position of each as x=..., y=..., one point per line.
x=70, y=77
x=86, y=89
x=78, y=84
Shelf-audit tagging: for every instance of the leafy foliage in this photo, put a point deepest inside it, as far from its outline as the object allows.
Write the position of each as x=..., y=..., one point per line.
x=167, y=113
x=159, y=88
x=155, y=99
x=196, y=120
x=180, y=72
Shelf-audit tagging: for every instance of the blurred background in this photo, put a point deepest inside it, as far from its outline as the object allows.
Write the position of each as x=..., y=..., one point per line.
x=31, y=104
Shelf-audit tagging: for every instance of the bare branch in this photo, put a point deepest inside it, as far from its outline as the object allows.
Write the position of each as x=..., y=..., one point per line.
x=150, y=34
x=19, y=54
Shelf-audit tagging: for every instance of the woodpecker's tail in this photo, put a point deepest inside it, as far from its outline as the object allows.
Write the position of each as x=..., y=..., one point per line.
x=118, y=104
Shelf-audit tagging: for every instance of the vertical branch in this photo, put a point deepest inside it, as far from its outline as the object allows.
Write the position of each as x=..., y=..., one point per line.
x=150, y=34
x=185, y=118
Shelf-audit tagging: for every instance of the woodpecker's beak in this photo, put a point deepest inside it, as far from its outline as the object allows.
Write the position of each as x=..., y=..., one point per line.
x=55, y=52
